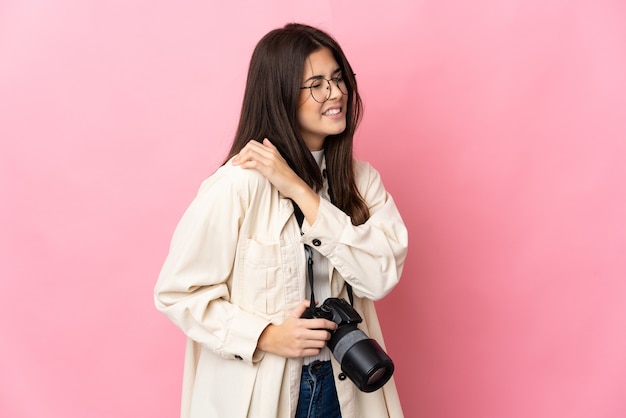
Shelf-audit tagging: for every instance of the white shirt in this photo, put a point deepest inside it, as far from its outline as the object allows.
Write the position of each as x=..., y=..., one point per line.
x=321, y=282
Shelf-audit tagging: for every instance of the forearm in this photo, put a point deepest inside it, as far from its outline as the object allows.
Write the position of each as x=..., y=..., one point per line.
x=308, y=201
x=217, y=324
x=370, y=256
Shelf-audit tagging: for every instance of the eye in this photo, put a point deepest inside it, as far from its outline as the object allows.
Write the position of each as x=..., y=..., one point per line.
x=339, y=81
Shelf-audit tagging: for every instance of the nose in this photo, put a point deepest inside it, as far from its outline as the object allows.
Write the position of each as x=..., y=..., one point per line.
x=333, y=90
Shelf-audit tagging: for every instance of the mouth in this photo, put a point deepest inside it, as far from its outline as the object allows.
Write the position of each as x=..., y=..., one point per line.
x=332, y=111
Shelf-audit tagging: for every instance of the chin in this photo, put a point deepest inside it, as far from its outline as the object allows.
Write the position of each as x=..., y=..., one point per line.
x=339, y=131
x=339, y=128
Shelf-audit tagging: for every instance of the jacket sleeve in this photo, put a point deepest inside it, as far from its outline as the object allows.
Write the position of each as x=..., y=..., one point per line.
x=370, y=257
x=192, y=287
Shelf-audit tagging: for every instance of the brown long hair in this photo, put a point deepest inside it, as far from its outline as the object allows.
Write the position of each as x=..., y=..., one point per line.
x=270, y=107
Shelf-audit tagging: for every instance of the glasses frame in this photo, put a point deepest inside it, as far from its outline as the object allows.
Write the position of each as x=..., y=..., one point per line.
x=330, y=92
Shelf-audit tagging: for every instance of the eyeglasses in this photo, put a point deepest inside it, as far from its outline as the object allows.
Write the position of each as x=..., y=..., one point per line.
x=320, y=91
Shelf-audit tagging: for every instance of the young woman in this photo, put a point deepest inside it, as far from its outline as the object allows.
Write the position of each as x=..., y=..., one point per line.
x=235, y=279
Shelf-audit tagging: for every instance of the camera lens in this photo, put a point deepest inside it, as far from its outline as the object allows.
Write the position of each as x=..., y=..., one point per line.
x=361, y=358
x=376, y=376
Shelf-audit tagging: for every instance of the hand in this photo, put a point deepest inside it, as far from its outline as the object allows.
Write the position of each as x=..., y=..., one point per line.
x=296, y=337
x=266, y=159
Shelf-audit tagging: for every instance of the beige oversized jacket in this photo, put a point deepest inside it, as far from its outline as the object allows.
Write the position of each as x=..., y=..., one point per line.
x=237, y=263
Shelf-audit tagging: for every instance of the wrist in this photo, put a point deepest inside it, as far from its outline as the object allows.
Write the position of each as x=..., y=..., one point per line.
x=308, y=201
x=264, y=341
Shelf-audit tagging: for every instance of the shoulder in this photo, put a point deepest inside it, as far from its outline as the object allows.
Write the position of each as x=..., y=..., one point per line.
x=369, y=183
x=365, y=174
x=233, y=179
x=362, y=167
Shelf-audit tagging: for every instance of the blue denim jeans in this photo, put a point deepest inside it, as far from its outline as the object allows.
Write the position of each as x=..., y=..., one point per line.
x=318, y=395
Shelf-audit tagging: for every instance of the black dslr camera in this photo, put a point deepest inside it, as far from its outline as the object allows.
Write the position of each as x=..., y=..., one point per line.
x=362, y=359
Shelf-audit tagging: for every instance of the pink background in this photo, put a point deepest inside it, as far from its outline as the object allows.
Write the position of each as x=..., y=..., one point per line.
x=499, y=126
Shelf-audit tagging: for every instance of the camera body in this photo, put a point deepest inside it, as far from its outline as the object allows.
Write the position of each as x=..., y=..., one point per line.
x=361, y=358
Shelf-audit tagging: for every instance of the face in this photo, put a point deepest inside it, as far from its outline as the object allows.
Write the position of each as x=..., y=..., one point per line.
x=318, y=120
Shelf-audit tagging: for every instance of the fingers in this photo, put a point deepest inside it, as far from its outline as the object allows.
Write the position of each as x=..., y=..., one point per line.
x=267, y=143
x=251, y=154
x=314, y=323
x=262, y=157
x=297, y=313
x=320, y=340
x=323, y=324
x=256, y=148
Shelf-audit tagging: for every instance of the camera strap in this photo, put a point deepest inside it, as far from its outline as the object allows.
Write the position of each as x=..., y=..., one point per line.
x=309, y=261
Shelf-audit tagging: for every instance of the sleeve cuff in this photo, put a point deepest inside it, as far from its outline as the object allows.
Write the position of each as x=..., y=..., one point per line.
x=241, y=343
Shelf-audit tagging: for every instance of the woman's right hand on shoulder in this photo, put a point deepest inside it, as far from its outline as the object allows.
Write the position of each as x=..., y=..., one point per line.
x=266, y=159
x=296, y=337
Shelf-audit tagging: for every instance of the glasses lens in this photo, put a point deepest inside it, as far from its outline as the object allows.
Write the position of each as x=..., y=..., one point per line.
x=341, y=84
x=320, y=90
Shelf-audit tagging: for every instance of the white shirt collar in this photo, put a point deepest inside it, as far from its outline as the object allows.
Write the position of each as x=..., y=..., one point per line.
x=319, y=157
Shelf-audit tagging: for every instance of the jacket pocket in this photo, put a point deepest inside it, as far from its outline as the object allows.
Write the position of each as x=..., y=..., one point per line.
x=262, y=284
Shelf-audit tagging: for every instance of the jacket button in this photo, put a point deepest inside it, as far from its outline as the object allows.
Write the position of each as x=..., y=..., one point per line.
x=342, y=376
x=317, y=242
x=238, y=357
